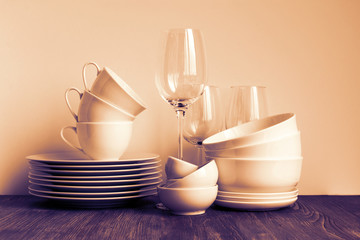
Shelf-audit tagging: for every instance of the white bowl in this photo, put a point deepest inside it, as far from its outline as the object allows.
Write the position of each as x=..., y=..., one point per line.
x=187, y=201
x=288, y=146
x=177, y=168
x=204, y=176
x=258, y=175
x=261, y=130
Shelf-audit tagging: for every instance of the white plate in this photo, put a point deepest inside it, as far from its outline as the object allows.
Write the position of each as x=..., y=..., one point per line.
x=95, y=182
x=40, y=165
x=291, y=193
x=110, y=188
x=95, y=172
x=256, y=206
x=84, y=202
x=253, y=199
x=148, y=173
x=42, y=190
x=76, y=157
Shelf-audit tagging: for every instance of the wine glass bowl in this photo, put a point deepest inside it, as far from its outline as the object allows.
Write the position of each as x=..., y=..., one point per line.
x=247, y=103
x=204, y=118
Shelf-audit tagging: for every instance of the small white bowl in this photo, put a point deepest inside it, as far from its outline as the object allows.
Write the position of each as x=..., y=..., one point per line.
x=187, y=201
x=177, y=168
x=282, y=147
x=258, y=175
x=204, y=176
x=261, y=130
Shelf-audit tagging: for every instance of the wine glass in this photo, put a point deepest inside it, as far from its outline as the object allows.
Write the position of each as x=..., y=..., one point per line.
x=204, y=118
x=247, y=103
x=182, y=72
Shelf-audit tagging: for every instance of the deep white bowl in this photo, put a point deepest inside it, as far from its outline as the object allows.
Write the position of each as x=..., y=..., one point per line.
x=187, y=201
x=177, y=168
x=287, y=146
x=258, y=175
x=204, y=176
x=257, y=131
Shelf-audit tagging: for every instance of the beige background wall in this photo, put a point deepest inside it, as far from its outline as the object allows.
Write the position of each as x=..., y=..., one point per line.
x=307, y=54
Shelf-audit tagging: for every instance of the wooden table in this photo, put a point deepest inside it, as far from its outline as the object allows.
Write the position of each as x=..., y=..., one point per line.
x=311, y=217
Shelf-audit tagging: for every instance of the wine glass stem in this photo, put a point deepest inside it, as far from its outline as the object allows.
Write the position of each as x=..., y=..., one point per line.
x=180, y=115
x=199, y=150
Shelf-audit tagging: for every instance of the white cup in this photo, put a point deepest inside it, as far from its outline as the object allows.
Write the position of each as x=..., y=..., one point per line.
x=110, y=87
x=94, y=109
x=104, y=140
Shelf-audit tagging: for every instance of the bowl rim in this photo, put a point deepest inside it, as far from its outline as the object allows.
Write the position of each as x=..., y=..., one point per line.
x=288, y=116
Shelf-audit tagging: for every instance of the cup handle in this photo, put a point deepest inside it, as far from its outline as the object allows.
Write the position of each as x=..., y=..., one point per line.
x=68, y=103
x=83, y=72
x=67, y=141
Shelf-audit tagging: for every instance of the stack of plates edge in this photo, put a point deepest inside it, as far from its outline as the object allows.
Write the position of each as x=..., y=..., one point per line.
x=256, y=201
x=72, y=179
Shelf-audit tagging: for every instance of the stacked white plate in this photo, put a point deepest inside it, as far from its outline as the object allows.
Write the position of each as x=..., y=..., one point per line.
x=256, y=201
x=73, y=179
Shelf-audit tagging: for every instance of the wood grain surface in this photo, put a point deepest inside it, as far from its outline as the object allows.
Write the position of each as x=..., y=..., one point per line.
x=311, y=217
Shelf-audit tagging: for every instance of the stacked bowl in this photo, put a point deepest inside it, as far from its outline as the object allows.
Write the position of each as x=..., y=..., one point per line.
x=189, y=189
x=259, y=163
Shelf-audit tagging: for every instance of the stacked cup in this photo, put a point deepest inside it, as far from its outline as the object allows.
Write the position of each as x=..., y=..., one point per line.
x=258, y=158
x=189, y=189
x=105, y=115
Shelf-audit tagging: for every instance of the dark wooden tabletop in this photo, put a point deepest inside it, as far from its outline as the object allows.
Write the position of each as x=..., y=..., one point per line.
x=311, y=217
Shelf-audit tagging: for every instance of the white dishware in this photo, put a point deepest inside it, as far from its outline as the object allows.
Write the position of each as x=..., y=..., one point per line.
x=39, y=174
x=285, y=146
x=204, y=118
x=256, y=206
x=72, y=178
x=258, y=175
x=110, y=87
x=95, y=172
x=204, y=176
x=291, y=193
x=98, y=167
x=44, y=190
x=81, y=182
x=181, y=76
x=261, y=130
x=247, y=103
x=93, y=202
x=177, y=168
x=96, y=188
x=79, y=158
x=94, y=109
x=253, y=199
x=187, y=201
x=105, y=140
